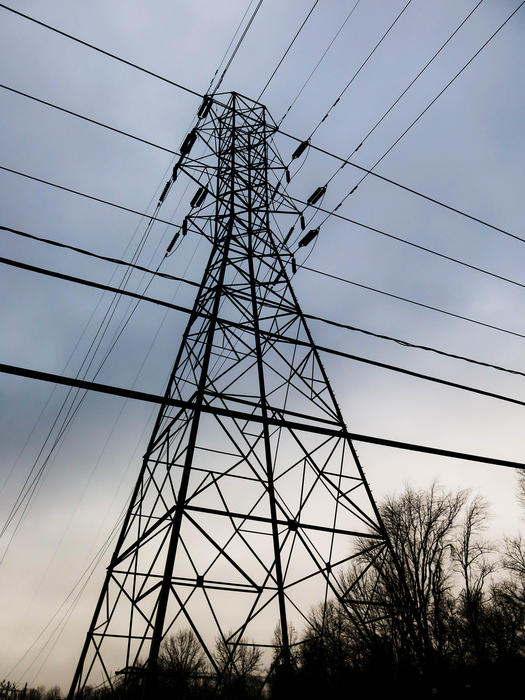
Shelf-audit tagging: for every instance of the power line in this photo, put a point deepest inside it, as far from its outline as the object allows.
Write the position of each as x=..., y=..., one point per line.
x=105, y=287
x=411, y=190
x=102, y=51
x=383, y=117
x=91, y=121
x=413, y=244
x=374, y=229
x=241, y=39
x=305, y=20
x=165, y=275
x=31, y=483
x=378, y=44
x=425, y=110
x=299, y=201
x=97, y=256
x=217, y=410
x=323, y=55
x=153, y=218
x=408, y=301
x=313, y=146
x=229, y=45
x=427, y=64
x=88, y=196
x=186, y=310
x=28, y=493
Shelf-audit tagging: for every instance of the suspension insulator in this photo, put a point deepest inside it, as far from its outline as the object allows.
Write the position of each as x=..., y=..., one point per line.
x=288, y=234
x=309, y=237
x=294, y=266
x=287, y=175
x=276, y=190
x=316, y=195
x=164, y=192
x=205, y=107
x=303, y=225
x=301, y=148
x=199, y=197
x=173, y=241
x=185, y=226
x=188, y=142
x=175, y=172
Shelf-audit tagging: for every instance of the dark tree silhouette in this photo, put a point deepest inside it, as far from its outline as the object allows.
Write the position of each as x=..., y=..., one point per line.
x=183, y=664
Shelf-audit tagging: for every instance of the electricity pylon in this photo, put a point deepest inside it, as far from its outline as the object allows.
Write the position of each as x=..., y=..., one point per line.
x=251, y=494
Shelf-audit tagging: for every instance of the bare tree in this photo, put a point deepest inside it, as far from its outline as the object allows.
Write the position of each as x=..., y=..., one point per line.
x=182, y=657
x=472, y=558
x=514, y=557
x=237, y=658
x=413, y=581
x=521, y=487
x=239, y=665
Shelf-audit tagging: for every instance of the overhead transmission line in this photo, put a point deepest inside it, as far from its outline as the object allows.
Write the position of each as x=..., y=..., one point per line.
x=424, y=111
x=369, y=171
x=349, y=356
x=329, y=213
x=277, y=421
x=90, y=120
x=298, y=140
x=101, y=51
x=33, y=479
x=177, y=307
x=363, y=64
x=415, y=245
x=154, y=218
x=321, y=59
x=427, y=64
x=234, y=36
x=237, y=46
x=299, y=201
x=168, y=276
x=403, y=93
x=87, y=196
x=99, y=285
x=354, y=76
x=97, y=256
x=292, y=42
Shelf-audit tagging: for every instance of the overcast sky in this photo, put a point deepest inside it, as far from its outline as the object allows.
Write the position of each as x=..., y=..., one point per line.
x=467, y=150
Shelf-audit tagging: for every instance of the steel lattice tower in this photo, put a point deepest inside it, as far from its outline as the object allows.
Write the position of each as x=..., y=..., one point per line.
x=251, y=495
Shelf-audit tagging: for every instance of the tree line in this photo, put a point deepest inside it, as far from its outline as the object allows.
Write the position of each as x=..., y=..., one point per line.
x=441, y=613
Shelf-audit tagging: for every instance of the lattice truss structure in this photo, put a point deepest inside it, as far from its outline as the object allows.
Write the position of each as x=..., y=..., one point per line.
x=251, y=496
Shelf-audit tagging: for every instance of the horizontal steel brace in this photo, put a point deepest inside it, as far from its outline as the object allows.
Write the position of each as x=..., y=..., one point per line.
x=296, y=524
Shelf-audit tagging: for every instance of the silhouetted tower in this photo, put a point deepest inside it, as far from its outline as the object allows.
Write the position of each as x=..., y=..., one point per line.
x=251, y=495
